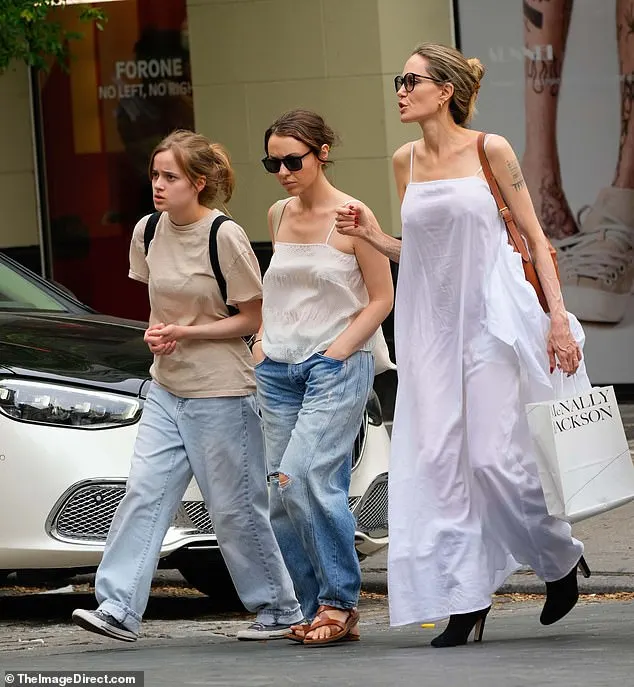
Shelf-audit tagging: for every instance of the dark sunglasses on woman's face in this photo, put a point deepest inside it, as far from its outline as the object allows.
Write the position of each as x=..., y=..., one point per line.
x=292, y=162
x=409, y=80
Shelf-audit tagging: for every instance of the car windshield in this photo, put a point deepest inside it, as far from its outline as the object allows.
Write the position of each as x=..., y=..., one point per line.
x=18, y=293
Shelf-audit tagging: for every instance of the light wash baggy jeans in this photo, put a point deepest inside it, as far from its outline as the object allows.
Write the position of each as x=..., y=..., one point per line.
x=220, y=441
x=312, y=413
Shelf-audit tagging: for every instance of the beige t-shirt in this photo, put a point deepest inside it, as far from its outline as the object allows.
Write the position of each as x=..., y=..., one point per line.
x=183, y=290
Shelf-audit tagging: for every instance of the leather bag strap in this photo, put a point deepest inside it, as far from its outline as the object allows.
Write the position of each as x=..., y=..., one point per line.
x=515, y=238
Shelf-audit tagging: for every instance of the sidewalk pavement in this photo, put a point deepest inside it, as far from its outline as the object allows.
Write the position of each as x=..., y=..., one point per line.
x=608, y=540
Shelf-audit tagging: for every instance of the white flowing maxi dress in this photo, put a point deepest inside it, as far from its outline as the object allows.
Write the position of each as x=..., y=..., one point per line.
x=466, y=508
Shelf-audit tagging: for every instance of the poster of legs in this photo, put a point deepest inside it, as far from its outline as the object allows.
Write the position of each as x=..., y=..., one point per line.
x=560, y=86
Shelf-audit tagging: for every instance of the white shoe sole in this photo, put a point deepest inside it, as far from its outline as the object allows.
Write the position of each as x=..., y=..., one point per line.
x=255, y=635
x=87, y=621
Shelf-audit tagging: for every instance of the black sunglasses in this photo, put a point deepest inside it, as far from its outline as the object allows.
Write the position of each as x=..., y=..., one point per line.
x=292, y=162
x=409, y=81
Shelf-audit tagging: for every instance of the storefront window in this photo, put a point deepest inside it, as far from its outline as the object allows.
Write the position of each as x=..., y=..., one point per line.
x=128, y=86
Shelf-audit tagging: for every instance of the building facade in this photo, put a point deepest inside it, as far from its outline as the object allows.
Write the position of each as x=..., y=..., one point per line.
x=74, y=168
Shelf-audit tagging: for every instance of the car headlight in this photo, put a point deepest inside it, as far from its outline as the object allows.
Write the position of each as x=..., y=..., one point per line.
x=63, y=406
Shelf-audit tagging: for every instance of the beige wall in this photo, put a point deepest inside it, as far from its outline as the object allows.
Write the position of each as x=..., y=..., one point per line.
x=253, y=59
x=17, y=182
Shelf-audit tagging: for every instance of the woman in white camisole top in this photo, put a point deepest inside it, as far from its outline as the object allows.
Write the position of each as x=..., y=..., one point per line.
x=324, y=298
x=473, y=346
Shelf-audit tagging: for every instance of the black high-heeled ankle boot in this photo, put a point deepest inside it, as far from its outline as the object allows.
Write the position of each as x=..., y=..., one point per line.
x=562, y=595
x=459, y=628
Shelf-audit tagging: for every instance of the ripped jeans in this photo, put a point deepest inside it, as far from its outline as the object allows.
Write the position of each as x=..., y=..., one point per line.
x=312, y=412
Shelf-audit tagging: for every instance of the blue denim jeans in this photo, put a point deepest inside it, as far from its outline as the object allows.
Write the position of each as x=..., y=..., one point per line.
x=312, y=412
x=220, y=442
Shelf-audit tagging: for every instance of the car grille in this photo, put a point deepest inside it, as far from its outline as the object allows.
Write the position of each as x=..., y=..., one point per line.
x=372, y=511
x=86, y=513
x=199, y=516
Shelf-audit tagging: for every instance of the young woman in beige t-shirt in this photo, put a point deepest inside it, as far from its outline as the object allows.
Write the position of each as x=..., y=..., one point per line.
x=200, y=417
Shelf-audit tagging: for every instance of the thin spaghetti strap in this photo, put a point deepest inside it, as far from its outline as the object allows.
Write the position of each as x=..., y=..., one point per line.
x=278, y=213
x=411, y=162
x=334, y=224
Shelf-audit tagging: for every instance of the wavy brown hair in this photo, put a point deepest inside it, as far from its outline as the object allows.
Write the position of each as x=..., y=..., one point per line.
x=199, y=158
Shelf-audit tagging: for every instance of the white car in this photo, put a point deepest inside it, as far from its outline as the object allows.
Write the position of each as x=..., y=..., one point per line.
x=72, y=385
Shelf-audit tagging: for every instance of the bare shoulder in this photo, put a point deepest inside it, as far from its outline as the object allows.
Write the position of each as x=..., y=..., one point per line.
x=276, y=206
x=498, y=148
x=401, y=155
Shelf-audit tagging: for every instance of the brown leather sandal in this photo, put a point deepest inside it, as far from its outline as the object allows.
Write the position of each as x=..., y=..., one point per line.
x=344, y=629
x=304, y=627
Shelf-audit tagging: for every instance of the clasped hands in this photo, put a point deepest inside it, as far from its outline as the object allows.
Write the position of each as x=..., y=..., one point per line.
x=161, y=338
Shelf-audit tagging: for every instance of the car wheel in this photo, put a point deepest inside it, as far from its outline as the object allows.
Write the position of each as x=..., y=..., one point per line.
x=206, y=572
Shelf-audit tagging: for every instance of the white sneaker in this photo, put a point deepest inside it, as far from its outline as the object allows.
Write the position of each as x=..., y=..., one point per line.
x=597, y=265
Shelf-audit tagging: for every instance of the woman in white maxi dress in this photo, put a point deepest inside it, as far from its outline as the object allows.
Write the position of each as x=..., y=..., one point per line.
x=472, y=346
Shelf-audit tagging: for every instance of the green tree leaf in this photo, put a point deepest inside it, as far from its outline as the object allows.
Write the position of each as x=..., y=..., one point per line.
x=30, y=31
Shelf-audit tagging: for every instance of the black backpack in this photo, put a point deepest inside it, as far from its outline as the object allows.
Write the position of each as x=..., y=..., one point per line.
x=150, y=230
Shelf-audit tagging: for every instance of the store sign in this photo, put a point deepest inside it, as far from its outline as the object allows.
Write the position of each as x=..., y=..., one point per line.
x=128, y=87
x=560, y=86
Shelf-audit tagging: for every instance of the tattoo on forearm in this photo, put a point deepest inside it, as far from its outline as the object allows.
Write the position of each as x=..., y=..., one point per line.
x=627, y=98
x=517, y=179
x=555, y=217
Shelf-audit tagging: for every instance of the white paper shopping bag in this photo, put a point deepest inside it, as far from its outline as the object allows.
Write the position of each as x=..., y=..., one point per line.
x=582, y=454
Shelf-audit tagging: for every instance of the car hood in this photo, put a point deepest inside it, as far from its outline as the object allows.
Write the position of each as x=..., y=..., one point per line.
x=90, y=350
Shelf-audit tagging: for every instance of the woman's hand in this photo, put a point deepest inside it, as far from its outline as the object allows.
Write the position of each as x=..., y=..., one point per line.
x=163, y=349
x=335, y=353
x=353, y=219
x=167, y=333
x=357, y=220
x=257, y=352
x=155, y=341
x=563, y=350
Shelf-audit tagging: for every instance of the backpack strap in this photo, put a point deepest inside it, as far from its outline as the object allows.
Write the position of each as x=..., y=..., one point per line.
x=215, y=262
x=150, y=229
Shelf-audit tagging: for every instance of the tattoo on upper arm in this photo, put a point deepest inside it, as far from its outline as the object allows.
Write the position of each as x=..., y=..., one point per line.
x=517, y=178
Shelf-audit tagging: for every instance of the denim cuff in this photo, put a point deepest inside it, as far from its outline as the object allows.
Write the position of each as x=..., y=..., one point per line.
x=270, y=616
x=128, y=618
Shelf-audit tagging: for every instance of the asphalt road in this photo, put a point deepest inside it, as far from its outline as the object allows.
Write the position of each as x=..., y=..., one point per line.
x=592, y=646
